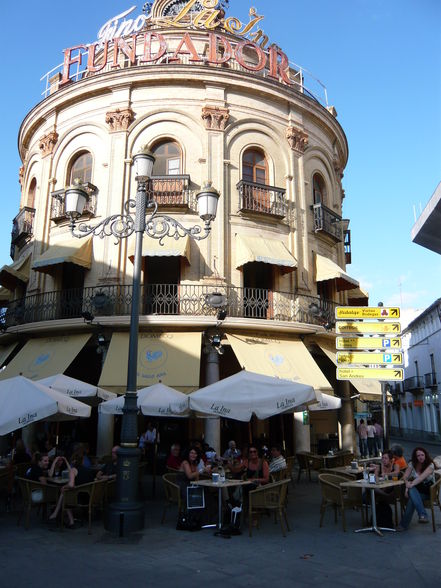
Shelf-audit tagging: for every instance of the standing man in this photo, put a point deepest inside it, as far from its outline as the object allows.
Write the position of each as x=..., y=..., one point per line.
x=362, y=438
x=371, y=439
x=378, y=437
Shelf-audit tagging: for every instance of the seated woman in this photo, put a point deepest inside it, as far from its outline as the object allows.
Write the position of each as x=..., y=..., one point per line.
x=174, y=459
x=387, y=467
x=190, y=469
x=252, y=467
x=418, y=477
x=78, y=475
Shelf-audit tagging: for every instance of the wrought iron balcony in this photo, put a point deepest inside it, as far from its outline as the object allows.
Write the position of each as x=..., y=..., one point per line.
x=58, y=210
x=172, y=190
x=348, y=250
x=261, y=198
x=327, y=221
x=430, y=380
x=414, y=384
x=22, y=225
x=167, y=299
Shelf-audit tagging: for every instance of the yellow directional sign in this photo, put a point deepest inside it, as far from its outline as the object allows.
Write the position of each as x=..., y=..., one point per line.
x=370, y=358
x=367, y=328
x=382, y=374
x=367, y=312
x=369, y=343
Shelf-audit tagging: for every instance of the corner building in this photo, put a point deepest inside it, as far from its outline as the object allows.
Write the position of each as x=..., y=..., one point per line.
x=212, y=105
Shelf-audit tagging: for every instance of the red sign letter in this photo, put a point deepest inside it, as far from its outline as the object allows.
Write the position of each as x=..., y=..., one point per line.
x=260, y=54
x=215, y=40
x=279, y=69
x=91, y=58
x=148, y=47
x=68, y=61
x=186, y=40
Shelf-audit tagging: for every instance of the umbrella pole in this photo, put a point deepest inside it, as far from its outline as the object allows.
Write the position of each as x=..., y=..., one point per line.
x=57, y=434
x=155, y=453
x=250, y=433
x=282, y=424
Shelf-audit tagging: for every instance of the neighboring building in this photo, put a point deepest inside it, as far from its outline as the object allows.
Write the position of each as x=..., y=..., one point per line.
x=427, y=229
x=211, y=105
x=415, y=411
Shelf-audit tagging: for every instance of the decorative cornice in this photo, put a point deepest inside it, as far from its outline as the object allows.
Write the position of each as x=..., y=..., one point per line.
x=297, y=139
x=119, y=120
x=215, y=118
x=47, y=143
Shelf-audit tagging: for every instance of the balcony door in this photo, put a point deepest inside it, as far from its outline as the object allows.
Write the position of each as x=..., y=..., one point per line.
x=255, y=172
x=167, y=183
x=162, y=277
x=72, y=286
x=258, y=282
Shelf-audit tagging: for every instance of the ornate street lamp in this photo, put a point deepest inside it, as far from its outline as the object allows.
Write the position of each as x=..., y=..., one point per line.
x=126, y=514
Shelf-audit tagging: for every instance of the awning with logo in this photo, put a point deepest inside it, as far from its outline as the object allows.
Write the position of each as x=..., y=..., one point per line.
x=326, y=269
x=368, y=389
x=271, y=251
x=45, y=357
x=170, y=248
x=76, y=251
x=171, y=358
x=16, y=272
x=282, y=358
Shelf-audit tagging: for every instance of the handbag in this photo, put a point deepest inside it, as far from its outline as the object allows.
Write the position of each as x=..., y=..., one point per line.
x=37, y=495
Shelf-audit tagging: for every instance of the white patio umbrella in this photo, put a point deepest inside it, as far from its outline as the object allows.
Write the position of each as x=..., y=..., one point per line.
x=77, y=389
x=23, y=402
x=326, y=402
x=246, y=393
x=156, y=400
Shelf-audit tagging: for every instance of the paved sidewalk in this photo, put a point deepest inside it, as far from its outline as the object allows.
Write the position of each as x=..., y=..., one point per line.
x=163, y=557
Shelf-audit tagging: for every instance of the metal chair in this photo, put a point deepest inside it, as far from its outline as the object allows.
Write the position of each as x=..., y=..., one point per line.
x=269, y=498
x=172, y=494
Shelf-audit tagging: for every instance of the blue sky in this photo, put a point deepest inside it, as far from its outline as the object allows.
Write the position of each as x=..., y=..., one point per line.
x=381, y=63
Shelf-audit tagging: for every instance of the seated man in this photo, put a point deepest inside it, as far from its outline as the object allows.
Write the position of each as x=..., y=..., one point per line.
x=109, y=470
x=38, y=471
x=174, y=459
x=232, y=452
x=277, y=462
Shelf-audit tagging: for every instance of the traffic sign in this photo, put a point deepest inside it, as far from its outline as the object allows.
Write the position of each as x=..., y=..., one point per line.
x=368, y=343
x=370, y=358
x=364, y=328
x=382, y=374
x=367, y=312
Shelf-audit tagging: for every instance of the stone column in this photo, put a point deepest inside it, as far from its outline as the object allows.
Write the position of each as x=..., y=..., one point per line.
x=302, y=433
x=105, y=429
x=212, y=425
x=346, y=416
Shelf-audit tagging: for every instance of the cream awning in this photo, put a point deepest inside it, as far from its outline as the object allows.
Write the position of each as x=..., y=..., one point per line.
x=282, y=358
x=358, y=297
x=170, y=248
x=41, y=358
x=368, y=389
x=171, y=358
x=76, y=251
x=5, y=352
x=249, y=249
x=326, y=269
x=16, y=272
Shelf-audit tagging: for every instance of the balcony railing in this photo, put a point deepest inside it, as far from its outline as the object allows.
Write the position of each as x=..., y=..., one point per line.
x=413, y=384
x=430, y=380
x=167, y=299
x=22, y=225
x=348, y=250
x=325, y=220
x=172, y=190
x=58, y=210
x=261, y=198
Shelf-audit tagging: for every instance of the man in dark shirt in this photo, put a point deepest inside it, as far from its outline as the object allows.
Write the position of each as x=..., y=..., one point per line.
x=38, y=469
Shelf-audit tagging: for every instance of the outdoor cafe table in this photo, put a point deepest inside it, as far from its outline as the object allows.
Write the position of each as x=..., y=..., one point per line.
x=380, y=485
x=220, y=486
x=358, y=473
x=58, y=480
x=367, y=460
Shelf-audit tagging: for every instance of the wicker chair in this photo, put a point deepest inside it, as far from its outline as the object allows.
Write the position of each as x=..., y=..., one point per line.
x=280, y=475
x=338, y=498
x=85, y=497
x=290, y=460
x=344, y=458
x=172, y=493
x=266, y=499
x=346, y=475
x=35, y=495
x=434, y=499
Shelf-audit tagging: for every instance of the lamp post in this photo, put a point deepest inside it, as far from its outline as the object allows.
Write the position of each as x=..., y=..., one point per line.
x=126, y=514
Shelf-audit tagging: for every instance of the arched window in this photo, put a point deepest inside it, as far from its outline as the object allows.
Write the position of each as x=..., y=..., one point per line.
x=319, y=189
x=168, y=160
x=254, y=167
x=30, y=201
x=81, y=168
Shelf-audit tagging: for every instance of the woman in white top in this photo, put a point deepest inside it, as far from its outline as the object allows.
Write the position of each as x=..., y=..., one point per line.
x=371, y=439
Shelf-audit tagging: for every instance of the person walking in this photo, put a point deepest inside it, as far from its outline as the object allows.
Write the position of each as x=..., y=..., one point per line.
x=378, y=437
x=362, y=438
x=371, y=439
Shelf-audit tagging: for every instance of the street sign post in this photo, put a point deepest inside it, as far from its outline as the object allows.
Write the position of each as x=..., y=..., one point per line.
x=373, y=343
x=362, y=373
x=366, y=312
x=370, y=358
x=365, y=328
